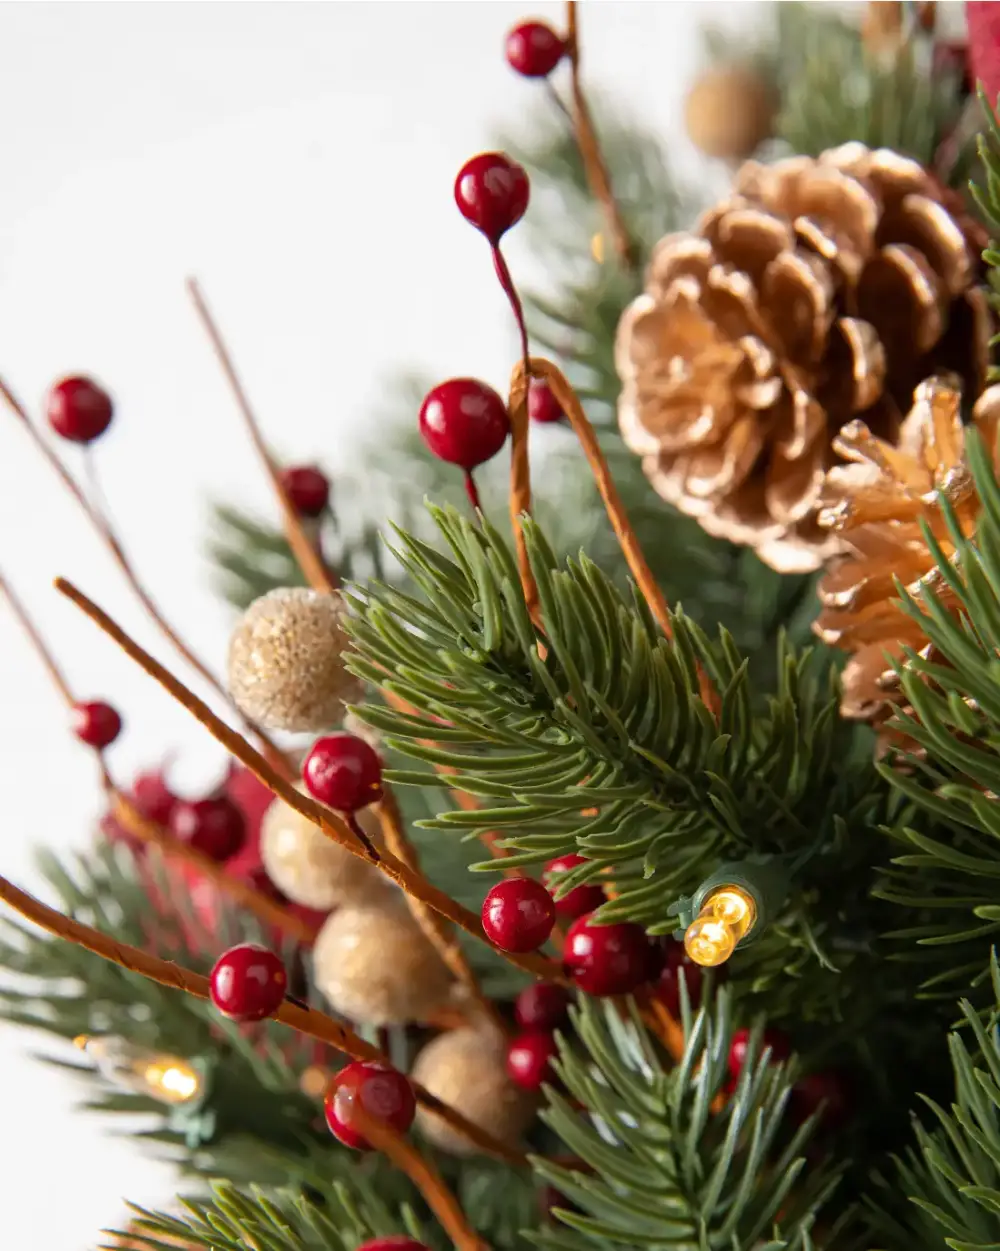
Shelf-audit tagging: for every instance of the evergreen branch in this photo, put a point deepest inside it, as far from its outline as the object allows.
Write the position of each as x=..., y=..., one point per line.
x=664, y=1166
x=986, y=193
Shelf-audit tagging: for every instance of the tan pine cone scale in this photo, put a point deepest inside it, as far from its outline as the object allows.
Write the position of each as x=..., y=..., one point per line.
x=822, y=290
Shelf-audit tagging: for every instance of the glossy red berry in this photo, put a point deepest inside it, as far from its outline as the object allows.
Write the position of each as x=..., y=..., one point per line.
x=96, y=724
x=529, y=1059
x=826, y=1091
x=581, y=899
x=154, y=799
x=534, y=49
x=307, y=488
x=518, y=914
x=384, y=1094
x=248, y=983
x=394, y=1242
x=492, y=193
x=771, y=1038
x=343, y=772
x=607, y=959
x=79, y=410
x=215, y=827
x=542, y=404
x=543, y=1005
x=677, y=964
x=464, y=422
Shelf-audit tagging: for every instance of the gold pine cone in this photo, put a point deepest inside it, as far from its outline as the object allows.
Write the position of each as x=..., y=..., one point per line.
x=729, y=112
x=875, y=504
x=374, y=966
x=466, y=1069
x=286, y=668
x=821, y=291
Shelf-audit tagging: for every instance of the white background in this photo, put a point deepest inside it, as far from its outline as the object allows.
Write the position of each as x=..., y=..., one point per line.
x=299, y=159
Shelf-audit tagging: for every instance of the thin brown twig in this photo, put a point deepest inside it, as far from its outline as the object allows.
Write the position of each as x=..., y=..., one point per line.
x=436, y=930
x=332, y=825
x=56, y=675
x=304, y=1020
x=107, y=535
x=594, y=167
x=424, y=1176
x=319, y=577
x=519, y=495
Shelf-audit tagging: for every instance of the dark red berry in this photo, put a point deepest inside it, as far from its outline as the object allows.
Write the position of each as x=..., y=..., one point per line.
x=492, y=192
x=677, y=964
x=771, y=1038
x=529, y=1059
x=542, y=404
x=79, y=410
x=534, y=49
x=464, y=422
x=215, y=827
x=343, y=772
x=549, y=1199
x=814, y=1091
x=385, y=1095
x=607, y=959
x=394, y=1242
x=248, y=983
x=541, y=1006
x=581, y=899
x=96, y=724
x=307, y=488
x=518, y=914
x=153, y=798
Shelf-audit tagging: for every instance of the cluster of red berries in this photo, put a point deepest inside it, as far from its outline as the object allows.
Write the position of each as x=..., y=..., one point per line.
x=539, y=1010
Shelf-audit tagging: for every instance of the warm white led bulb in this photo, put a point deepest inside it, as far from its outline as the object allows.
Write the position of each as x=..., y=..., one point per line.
x=727, y=915
x=165, y=1078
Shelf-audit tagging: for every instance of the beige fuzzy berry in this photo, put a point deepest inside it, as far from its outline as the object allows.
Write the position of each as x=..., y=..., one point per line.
x=286, y=667
x=374, y=966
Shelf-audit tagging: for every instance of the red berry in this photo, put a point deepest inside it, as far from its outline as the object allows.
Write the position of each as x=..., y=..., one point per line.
x=549, y=1199
x=248, y=983
x=607, y=959
x=464, y=422
x=518, y=914
x=96, y=724
x=542, y=404
x=771, y=1038
x=492, y=192
x=529, y=1059
x=343, y=772
x=541, y=1006
x=534, y=49
x=821, y=1090
x=678, y=964
x=581, y=899
x=385, y=1095
x=79, y=410
x=307, y=488
x=395, y=1242
x=152, y=797
x=215, y=827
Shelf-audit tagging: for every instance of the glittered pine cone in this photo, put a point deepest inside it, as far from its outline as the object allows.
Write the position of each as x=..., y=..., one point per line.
x=822, y=291
x=875, y=503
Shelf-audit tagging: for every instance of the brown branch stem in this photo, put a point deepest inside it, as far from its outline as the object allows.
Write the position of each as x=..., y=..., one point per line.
x=519, y=496
x=307, y=1021
x=333, y=826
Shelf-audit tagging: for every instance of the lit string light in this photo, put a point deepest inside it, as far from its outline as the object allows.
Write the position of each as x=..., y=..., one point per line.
x=727, y=915
x=165, y=1078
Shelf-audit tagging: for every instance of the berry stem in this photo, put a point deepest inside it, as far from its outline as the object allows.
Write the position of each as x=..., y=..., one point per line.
x=472, y=491
x=304, y=550
x=354, y=825
x=243, y=893
x=590, y=151
x=424, y=1176
x=330, y=823
x=507, y=282
x=306, y=1021
x=520, y=486
x=117, y=552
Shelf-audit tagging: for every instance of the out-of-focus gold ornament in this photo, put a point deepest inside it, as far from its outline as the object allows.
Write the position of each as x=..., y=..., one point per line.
x=875, y=503
x=883, y=27
x=373, y=965
x=729, y=112
x=286, y=668
x=313, y=870
x=314, y=1080
x=820, y=291
x=726, y=917
x=466, y=1069
x=165, y=1078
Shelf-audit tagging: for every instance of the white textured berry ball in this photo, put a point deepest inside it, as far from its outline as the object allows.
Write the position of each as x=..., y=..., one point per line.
x=313, y=870
x=374, y=966
x=467, y=1070
x=286, y=668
